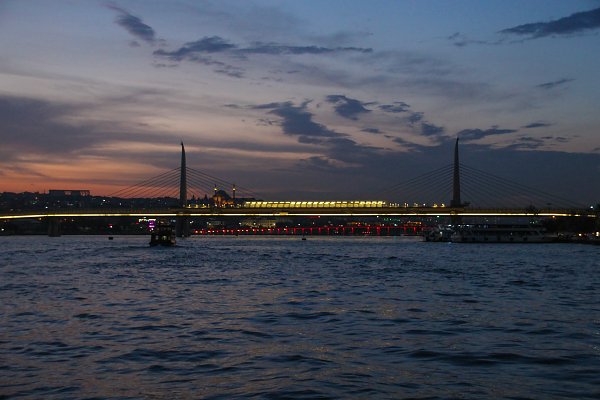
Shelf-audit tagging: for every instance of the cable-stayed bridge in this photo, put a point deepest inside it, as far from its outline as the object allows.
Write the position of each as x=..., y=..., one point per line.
x=455, y=190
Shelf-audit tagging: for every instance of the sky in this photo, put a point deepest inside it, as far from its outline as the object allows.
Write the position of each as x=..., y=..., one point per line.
x=299, y=100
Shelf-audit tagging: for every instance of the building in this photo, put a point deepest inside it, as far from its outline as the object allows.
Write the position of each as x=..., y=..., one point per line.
x=68, y=193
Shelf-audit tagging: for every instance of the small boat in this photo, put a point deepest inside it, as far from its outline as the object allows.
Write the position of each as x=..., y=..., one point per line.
x=163, y=235
x=499, y=234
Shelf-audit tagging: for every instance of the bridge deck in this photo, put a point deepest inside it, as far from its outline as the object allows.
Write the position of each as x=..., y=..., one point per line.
x=301, y=212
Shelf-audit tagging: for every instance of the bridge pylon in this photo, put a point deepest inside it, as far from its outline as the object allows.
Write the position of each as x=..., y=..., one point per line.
x=183, y=180
x=456, y=202
x=182, y=227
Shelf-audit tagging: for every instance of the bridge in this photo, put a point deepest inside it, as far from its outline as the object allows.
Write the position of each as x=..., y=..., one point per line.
x=222, y=205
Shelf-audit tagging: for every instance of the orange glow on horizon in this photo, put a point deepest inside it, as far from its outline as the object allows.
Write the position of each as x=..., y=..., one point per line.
x=101, y=177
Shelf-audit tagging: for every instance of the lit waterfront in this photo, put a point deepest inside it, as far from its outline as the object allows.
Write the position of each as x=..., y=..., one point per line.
x=269, y=317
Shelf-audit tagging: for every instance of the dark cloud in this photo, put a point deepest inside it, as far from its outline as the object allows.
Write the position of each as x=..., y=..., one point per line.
x=212, y=44
x=134, y=25
x=309, y=140
x=297, y=121
x=435, y=74
x=35, y=126
x=536, y=125
x=400, y=140
x=31, y=127
x=217, y=44
x=415, y=117
x=475, y=134
x=533, y=143
x=347, y=107
x=409, y=145
x=278, y=49
x=460, y=40
x=198, y=51
x=396, y=107
x=317, y=163
x=527, y=143
x=551, y=85
x=231, y=71
x=349, y=152
x=574, y=23
x=412, y=118
x=343, y=144
x=372, y=130
x=205, y=50
x=556, y=139
x=269, y=106
x=428, y=129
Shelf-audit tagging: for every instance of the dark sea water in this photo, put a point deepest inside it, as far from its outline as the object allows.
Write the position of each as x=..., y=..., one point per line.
x=278, y=317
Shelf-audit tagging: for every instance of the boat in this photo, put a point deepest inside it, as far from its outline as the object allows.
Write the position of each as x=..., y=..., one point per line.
x=499, y=234
x=163, y=234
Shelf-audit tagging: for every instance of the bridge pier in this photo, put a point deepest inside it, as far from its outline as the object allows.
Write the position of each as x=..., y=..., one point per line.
x=53, y=226
x=182, y=226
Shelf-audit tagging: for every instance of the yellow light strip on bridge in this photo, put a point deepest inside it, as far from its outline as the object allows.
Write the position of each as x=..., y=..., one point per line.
x=290, y=213
x=102, y=215
x=315, y=204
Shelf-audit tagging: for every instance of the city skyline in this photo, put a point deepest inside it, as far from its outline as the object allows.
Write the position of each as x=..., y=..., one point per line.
x=307, y=100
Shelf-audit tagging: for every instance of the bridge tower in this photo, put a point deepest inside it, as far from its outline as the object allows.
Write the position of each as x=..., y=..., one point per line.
x=455, y=202
x=456, y=180
x=182, y=228
x=183, y=180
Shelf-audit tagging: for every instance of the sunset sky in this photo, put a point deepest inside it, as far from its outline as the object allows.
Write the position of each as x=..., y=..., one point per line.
x=332, y=99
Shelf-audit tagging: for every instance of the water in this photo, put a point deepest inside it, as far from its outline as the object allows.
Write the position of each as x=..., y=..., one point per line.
x=276, y=317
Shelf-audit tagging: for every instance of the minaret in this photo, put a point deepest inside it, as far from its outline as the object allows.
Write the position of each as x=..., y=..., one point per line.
x=456, y=180
x=233, y=190
x=183, y=180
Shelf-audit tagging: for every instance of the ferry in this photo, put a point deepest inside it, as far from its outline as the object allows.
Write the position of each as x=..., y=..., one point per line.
x=163, y=234
x=499, y=234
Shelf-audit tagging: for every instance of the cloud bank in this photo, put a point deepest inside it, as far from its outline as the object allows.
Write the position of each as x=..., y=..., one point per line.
x=575, y=23
x=134, y=25
x=553, y=84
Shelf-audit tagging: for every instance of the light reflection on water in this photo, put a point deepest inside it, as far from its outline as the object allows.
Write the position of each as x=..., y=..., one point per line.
x=277, y=317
